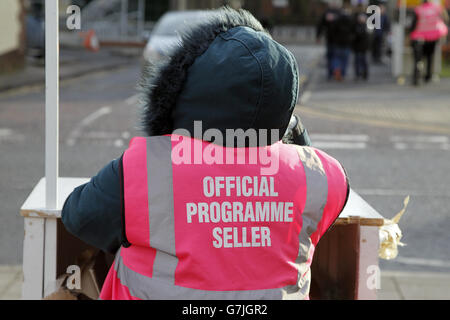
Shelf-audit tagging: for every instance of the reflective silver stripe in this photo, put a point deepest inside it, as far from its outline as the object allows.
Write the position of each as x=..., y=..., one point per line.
x=316, y=199
x=161, y=207
x=146, y=288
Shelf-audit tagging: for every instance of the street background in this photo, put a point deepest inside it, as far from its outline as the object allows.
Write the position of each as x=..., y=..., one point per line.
x=392, y=138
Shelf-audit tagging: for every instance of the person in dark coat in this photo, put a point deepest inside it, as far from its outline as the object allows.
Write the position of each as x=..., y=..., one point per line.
x=379, y=36
x=343, y=39
x=361, y=43
x=326, y=27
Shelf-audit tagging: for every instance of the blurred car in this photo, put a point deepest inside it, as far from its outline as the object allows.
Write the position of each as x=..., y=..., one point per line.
x=166, y=34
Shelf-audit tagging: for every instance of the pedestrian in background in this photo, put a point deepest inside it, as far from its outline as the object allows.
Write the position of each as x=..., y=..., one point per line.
x=361, y=43
x=343, y=39
x=327, y=27
x=427, y=28
x=379, y=36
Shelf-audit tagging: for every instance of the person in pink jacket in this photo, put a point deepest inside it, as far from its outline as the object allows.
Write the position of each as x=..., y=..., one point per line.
x=428, y=27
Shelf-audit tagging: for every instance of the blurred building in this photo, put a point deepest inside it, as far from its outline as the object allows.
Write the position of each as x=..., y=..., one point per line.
x=202, y=4
x=272, y=11
x=292, y=12
x=287, y=12
x=12, y=35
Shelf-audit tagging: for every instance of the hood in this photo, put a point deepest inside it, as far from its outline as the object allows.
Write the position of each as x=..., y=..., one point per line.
x=228, y=73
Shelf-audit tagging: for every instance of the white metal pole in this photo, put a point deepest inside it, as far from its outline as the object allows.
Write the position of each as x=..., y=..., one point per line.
x=401, y=39
x=124, y=18
x=402, y=16
x=141, y=18
x=51, y=102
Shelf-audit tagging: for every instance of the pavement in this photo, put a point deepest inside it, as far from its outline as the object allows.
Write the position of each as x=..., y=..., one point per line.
x=394, y=285
x=11, y=279
x=381, y=101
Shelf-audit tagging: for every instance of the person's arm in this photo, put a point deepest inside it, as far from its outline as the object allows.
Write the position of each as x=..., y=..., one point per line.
x=296, y=133
x=93, y=212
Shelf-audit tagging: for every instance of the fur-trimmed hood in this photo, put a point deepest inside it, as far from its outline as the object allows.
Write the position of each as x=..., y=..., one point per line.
x=228, y=73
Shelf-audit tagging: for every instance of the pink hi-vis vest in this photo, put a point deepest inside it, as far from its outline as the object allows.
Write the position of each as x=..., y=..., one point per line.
x=430, y=26
x=228, y=224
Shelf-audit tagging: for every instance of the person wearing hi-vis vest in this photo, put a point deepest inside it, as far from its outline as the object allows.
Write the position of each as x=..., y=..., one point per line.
x=212, y=204
x=427, y=28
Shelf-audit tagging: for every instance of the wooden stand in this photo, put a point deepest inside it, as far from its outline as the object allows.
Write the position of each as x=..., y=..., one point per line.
x=343, y=262
x=47, y=246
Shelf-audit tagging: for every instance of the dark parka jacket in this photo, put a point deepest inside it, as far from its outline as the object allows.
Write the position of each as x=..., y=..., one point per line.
x=228, y=73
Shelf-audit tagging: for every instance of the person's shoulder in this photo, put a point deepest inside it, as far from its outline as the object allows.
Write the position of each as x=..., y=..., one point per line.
x=327, y=158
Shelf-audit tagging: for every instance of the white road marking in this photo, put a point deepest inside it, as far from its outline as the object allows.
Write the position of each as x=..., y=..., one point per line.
x=361, y=141
x=132, y=100
x=100, y=135
x=7, y=134
x=424, y=262
x=119, y=143
x=340, y=137
x=340, y=145
x=400, y=192
x=339, y=141
x=306, y=97
x=421, y=139
x=400, y=146
x=106, y=135
x=77, y=131
x=421, y=142
x=387, y=192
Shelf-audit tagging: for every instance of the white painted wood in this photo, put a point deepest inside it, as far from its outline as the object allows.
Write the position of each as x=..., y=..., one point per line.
x=34, y=206
x=51, y=102
x=398, y=50
x=369, y=273
x=33, y=259
x=50, y=257
x=358, y=207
